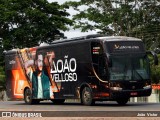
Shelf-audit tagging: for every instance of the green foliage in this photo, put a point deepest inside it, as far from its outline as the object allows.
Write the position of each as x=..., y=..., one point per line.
x=27, y=23
x=30, y=22
x=2, y=78
x=155, y=72
x=136, y=18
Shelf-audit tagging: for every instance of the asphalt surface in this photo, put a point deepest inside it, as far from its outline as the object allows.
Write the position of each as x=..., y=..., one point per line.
x=76, y=106
x=75, y=109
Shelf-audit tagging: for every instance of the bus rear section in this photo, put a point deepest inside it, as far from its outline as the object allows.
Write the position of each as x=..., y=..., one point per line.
x=16, y=78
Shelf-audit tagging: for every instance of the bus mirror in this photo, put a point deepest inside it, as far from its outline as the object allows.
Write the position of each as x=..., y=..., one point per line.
x=154, y=56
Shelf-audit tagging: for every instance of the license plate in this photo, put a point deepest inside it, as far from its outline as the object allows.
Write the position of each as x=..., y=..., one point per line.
x=133, y=93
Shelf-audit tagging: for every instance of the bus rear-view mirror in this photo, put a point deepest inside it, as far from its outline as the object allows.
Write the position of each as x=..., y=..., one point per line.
x=154, y=55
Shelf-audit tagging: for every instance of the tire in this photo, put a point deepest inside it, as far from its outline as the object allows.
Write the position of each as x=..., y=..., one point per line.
x=122, y=101
x=28, y=97
x=58, y=101
x=86, y=97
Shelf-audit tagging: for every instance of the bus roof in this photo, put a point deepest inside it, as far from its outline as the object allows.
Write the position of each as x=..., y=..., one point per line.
x=98, y=36
x=119, y=38
x=85, y=38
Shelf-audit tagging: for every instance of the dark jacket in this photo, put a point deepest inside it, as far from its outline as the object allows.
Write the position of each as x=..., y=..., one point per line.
x=45, y=85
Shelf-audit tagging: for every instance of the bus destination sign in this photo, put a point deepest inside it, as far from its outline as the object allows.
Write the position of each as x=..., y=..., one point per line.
x=125, y=47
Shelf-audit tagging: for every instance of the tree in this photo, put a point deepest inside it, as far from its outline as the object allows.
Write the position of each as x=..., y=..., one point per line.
x=27, y=23
x=148, y=23
x=136, y=18
x=30, y=22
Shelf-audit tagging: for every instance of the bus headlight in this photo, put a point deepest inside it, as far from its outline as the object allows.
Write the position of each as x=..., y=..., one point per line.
x=147, y=87
x=116, y=88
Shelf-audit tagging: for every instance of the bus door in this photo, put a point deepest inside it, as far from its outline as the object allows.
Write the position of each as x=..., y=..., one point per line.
x=99, y=65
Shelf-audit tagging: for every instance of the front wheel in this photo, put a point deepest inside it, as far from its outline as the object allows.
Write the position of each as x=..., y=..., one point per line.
x=86, y=97
x=122, y=101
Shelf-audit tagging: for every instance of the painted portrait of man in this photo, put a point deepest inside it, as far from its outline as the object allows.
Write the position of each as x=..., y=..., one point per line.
x=41, y=85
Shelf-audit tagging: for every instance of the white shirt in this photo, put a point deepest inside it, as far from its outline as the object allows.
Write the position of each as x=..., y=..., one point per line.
x=40, y=89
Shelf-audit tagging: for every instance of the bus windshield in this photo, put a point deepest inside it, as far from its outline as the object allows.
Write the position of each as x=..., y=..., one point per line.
x=129, y=68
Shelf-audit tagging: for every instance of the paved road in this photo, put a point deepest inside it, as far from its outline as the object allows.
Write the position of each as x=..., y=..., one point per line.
x=75, y=106
x=75, y=109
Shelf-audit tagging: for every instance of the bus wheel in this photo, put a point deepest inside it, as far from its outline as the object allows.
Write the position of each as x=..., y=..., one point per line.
x=58, y=101
x=86, y=97
x=122, y=101
x=28, y=97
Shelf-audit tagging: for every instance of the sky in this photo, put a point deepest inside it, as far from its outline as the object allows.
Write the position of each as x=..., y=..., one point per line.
x=73, y=33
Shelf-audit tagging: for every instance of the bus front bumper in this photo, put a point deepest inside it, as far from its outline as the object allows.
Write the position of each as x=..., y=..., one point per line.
x=114, y=94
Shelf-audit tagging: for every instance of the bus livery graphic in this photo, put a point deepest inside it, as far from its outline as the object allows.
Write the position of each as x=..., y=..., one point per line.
x=67, y=71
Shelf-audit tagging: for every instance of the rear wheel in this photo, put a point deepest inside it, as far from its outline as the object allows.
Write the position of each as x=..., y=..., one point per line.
x=122, y=101
x=86, y=97
x=28, y=97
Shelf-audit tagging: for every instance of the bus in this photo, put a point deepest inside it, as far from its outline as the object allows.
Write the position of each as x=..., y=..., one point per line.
x=89, y=68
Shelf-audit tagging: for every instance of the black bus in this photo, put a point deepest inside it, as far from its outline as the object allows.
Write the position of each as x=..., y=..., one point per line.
x=90, y=68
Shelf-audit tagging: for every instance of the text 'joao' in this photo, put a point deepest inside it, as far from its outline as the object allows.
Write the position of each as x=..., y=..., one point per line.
x=64, y=70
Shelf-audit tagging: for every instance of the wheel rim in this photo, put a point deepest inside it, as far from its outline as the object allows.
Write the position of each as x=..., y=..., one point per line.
x=87, y=96
x=28, y=96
